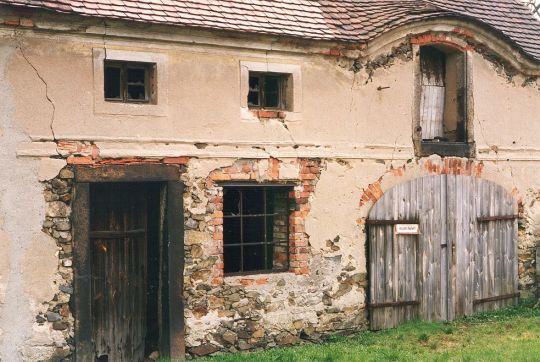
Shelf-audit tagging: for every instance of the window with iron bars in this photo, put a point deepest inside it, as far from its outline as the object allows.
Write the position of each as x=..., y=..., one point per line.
x=255, y=229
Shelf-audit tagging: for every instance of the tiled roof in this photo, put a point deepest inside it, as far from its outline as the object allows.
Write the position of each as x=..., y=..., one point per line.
x=343, y=20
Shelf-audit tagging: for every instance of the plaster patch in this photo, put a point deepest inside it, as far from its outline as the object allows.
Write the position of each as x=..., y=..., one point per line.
x=40, y=265
x=288, y=171
x=202, y=168
x=49, y=168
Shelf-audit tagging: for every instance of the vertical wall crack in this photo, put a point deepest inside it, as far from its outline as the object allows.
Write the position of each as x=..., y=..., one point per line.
x=47, y=96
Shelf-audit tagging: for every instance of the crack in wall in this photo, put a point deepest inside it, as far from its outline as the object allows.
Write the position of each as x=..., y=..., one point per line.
x=40, y=77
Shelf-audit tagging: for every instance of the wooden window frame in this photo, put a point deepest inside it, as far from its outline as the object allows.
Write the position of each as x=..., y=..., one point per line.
x=173, y=331
x=264, y=244
x=465, y=146
x=282, y=79
x=124, y=66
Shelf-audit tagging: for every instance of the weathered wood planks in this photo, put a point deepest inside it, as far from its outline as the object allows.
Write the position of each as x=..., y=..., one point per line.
x=463, y=261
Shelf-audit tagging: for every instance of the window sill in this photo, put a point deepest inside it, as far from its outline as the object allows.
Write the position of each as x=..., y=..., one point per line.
x=455, y=149
x=267, y=113
x=256, y=115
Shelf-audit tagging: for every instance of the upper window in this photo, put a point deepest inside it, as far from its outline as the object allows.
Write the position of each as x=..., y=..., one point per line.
x=443, y=119
x=255, y=229
x=130, y=82
x=267, y=90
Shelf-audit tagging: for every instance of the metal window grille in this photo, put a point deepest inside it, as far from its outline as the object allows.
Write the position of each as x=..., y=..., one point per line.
x=255, y=229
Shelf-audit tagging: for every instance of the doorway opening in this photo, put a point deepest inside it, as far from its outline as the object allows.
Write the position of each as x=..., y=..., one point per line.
x=129, y=264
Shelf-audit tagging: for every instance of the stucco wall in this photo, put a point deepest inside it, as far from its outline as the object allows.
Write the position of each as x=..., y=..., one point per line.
x=357, y=125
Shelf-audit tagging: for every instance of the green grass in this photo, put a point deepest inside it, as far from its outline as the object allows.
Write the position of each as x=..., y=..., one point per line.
x=511, y=334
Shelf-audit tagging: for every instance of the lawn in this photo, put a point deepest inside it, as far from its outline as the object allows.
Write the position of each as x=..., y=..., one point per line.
x=512, y=334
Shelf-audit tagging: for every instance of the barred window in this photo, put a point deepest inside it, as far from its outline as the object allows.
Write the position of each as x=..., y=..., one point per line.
x=255, y=229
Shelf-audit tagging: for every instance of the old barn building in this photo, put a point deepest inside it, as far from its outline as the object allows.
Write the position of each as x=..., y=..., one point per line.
x=200, y=176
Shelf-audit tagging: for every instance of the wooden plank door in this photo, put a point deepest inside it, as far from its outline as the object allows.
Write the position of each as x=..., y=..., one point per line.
x=118, y=234
x=495, y=280
x=406, y=277
x=463, y=260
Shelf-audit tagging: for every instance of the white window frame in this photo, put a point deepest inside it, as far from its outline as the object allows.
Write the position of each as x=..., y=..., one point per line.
x=102, y=106
x=294, y=102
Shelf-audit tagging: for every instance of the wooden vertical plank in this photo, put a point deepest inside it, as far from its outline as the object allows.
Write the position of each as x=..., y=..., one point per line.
x=82, y=272
x=451, y=240
x=175, y=227
x=444, y=248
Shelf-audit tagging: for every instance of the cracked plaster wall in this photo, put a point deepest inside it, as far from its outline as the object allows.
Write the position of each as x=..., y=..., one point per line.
x=29, y=257
x=371, y=128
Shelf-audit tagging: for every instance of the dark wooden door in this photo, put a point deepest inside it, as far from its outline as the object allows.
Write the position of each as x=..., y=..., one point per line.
x=463, y=259
x=118, y=237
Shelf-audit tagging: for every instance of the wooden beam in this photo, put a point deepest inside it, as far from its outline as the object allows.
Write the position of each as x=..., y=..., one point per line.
x=127, y=173
x=390, y=222
x=496, y=298
x=393, y=304
x=497, y=218
x=82, y=303
x=175, y=227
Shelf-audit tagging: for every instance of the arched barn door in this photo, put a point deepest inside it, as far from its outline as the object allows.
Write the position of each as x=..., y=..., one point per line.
x=441, y=247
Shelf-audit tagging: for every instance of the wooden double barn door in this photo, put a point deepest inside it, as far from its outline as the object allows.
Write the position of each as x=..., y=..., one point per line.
x=462, y=261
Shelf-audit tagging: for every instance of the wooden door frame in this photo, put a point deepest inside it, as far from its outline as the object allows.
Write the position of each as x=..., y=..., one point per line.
x=82, y=304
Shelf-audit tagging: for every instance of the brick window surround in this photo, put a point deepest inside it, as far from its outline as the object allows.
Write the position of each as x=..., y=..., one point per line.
x=246, y=171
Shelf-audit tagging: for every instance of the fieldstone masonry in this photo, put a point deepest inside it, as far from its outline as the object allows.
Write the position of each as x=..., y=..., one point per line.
x=57, y=224
x=260, y=311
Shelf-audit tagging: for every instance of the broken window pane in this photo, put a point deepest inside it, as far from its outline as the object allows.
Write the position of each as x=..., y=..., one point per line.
x=254, y=91
x=112, y=82
x=128, y=81
x=265, y=90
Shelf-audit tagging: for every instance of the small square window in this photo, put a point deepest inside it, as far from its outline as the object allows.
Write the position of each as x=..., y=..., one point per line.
x=267, y=90
x=255, y=229
x=130, y=82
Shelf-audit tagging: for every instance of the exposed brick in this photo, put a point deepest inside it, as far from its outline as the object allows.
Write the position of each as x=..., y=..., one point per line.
x=86, y=160
x=176, y=160
x=261, y=281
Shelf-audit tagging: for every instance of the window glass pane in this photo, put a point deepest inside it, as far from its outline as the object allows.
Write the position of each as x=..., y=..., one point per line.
x=253, y=200
x=253, y=229
x=112, y=80
x=136, y=92
x=231, y=256
x=245, y=223
x=136, y=75
x=271, y=91
x=231, y=231
x=254, y=91
x=254, y=258
x=231, y=201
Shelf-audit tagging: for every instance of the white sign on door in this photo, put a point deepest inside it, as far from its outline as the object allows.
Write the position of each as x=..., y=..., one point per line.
x=407, y=229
